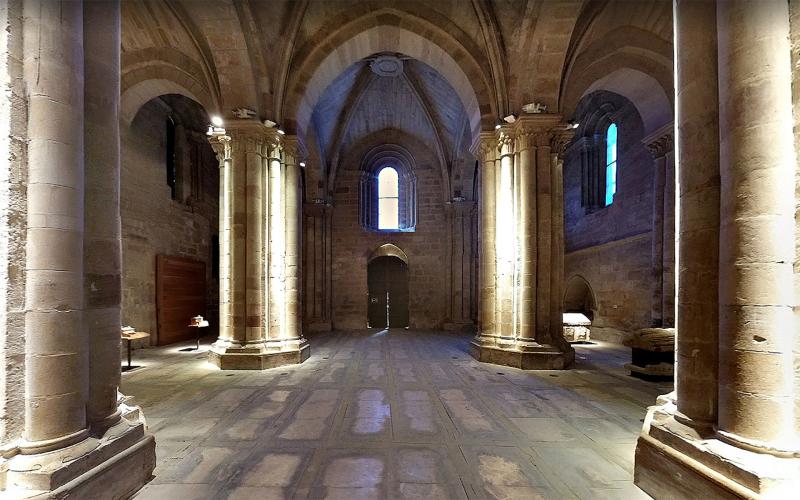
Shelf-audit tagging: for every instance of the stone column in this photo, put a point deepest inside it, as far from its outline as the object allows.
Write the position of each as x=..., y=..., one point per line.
x=259, y=250
x=488, y=156
x=56, y=377
x=102, y=258
x=660, y=145
x=292, y=211
x=757, y=163
x=738, y=248
x=526, y=253
x=558, y=144
x=317, y=266
x=461, y=214
x=698, y=212
x=505, y=236
x=528, y=226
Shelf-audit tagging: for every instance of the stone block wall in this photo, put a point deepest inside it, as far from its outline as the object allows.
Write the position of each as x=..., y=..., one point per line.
x=612, y=247
x=426, y=249
x=153, y=223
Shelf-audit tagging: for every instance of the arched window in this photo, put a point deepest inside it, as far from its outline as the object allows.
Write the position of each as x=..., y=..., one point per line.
x=611, y=163
x=388, y=190
x=388, y=199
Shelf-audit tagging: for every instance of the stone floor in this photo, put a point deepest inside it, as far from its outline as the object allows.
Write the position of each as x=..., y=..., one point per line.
x=399, y=414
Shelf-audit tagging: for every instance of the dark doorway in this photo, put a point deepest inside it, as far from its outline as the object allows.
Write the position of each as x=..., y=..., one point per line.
x=387, y=279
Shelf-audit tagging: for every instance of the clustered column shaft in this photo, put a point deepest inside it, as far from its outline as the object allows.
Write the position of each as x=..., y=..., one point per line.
x=260, y=220
x=521, y=250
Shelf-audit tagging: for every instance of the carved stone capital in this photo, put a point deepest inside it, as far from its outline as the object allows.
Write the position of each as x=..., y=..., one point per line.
x=660, y=142
x=221, y=144
x=487, y=148
x=505, y=142
x=560, y=139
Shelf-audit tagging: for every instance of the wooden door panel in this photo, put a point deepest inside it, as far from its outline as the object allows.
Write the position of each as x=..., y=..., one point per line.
x=180, y=294
x=397, y=285
x=376, y=283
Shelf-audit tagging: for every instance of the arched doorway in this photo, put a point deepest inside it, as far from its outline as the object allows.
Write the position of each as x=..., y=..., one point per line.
x=387, y=278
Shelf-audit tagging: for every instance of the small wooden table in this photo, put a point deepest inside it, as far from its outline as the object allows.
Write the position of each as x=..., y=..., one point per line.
x=130, y=337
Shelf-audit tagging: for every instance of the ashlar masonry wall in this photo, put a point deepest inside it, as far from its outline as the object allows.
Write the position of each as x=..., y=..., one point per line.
x=426, y=247
x=153, y=223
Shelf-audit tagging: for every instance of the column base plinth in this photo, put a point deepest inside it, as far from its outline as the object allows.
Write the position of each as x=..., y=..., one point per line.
x=228, y=355
x=675, y=460
x=519, y=353
x=114, y=465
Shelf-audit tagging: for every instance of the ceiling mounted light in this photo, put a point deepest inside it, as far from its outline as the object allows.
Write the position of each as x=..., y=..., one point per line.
x=302, y=164
x=498, y=126
x=216, y=120
x=281, y=131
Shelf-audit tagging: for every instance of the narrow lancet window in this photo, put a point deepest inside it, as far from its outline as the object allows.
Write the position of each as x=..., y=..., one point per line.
x=388, y=199
x=611, y=163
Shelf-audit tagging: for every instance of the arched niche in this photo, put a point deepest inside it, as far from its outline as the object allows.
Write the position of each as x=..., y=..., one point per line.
x=579, y=297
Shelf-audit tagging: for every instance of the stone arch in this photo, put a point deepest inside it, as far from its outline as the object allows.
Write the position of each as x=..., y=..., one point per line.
x=630, y=62
x=141, y=85
x=579, y=296
x=388, y=30
x=388, y=250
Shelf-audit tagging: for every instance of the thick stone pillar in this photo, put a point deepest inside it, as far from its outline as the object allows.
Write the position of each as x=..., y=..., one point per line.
x=260, y=204
x=743, y=443
x=757, y=237
x=102, y=258
x=76, y=441
x=56, y=378
x=525, y=250
x=460, y=314
x=317, y=266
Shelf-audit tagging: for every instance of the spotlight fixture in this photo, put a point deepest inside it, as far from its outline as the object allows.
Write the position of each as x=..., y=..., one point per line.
x=281, y=131
x=510, y=118
x=302, y=164
x=498, y=126
x=216, y=120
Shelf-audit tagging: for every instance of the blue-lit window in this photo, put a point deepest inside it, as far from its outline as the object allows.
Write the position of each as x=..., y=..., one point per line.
x=611, y=163
x=388, y=199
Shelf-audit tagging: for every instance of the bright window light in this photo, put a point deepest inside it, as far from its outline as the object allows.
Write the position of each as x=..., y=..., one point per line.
x=388, y=199
x=611, y=163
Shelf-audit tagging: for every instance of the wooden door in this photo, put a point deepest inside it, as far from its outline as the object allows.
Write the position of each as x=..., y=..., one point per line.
x=388, y=293
x=180, y=295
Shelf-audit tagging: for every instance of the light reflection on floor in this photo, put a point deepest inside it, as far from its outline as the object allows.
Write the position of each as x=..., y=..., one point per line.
x=397, y=414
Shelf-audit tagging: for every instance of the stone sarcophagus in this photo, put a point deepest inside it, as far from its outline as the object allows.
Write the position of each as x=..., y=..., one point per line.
x=576, y=327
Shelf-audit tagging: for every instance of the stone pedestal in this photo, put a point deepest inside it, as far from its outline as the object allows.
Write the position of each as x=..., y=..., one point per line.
x=680, y=461
x=259, y=355
x=520, y=353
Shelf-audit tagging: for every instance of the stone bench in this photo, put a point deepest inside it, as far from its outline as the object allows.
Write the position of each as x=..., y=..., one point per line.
x=652, y=352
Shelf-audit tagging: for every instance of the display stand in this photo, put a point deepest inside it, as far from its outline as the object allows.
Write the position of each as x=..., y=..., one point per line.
x=129, y=337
